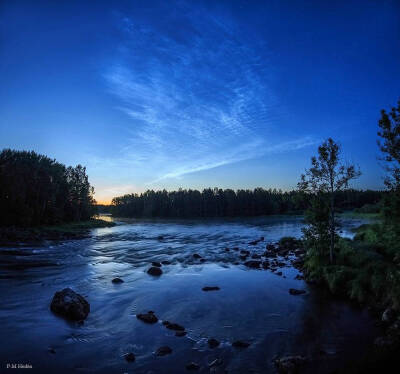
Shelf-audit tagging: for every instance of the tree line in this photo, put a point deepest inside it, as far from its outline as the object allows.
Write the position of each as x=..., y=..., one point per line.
x=37, y=190
x=216, y=202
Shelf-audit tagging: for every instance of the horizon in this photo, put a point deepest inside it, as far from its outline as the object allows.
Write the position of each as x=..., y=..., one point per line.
x=181, y=94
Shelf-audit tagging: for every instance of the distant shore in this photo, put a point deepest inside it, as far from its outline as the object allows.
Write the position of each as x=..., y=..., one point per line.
x=30, y=235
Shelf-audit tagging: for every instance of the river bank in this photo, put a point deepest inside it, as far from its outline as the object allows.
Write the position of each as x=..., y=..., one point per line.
x=15, y=236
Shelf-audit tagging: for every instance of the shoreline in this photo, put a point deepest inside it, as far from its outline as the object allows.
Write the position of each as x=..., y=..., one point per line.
x=20, y=236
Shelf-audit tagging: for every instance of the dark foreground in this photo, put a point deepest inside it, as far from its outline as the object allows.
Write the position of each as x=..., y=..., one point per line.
x=251, y=305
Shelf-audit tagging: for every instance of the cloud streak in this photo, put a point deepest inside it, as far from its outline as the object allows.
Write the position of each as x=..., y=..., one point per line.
x=197, y=99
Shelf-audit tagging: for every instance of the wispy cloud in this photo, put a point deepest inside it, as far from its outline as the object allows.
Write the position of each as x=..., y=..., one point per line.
x=199, y=98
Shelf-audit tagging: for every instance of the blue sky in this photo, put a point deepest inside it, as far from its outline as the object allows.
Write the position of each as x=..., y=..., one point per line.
x=192, y=94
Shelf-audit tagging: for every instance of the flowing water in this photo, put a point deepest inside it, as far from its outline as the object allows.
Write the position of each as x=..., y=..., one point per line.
x=251, y=305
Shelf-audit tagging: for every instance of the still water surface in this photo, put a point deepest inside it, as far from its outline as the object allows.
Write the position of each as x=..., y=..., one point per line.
x=252, y=305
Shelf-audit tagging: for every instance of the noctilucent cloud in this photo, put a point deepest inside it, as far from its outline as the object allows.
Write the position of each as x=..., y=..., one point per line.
x=193, y=94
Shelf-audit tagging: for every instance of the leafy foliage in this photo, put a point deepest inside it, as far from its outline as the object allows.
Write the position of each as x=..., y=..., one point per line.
x=228, y=203
x=325, y=177
x=36, y=190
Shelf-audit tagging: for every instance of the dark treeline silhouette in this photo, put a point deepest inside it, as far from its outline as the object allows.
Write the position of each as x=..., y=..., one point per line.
x=36, y=190
x=228, y=203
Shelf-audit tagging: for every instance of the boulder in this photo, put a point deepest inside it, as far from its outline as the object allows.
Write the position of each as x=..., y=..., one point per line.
x=196, y=255
x=162, y=351
x=253, y=264
x=70, y=305
x=290, y=364
x=294, y=291
x=213, y=343
x=211, y=288
x=117, y=281
x=154, y=271
x=156, y=264
x=240, y=344
x=173, y=326
x=148, y=317
x=289, y=243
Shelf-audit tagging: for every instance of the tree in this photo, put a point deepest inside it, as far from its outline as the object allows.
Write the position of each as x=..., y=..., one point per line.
x=389, y=144
x=37, y=190
x=326, y=177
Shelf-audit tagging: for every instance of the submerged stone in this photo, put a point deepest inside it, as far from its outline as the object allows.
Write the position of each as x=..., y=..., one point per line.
x=130, y=357
x=213, y=343
x=162, y=351
x=117, y=281
x=240, y=344
x=149, y=317
x=180, y=333
x=253, y=264
x=155, y=271
x=173, y=326
x=211, y=288
x=293, y=291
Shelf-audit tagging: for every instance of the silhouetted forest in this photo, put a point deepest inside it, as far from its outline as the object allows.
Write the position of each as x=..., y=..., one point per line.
x=229, y=203
x=36, y=190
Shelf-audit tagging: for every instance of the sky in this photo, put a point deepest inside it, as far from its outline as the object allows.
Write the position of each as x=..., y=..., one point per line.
x=195, y=94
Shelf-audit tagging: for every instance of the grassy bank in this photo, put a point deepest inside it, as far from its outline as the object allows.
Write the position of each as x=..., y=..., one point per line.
x=365, y=270
x=360, y=215
x=72, y=230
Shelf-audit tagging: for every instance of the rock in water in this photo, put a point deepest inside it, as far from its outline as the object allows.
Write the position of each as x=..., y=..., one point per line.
x=211, y=288
x=254, y=264
x=289, y=364
x=213, y=343
x=70, y=305
x=162, y=351
x=293, y=291
x=156, y=264
x=173, y=326
x=155, y=271
x=149, y=317
x=180, y=333
x=117, y=280
x=196, y=255
x=130, y=357
x=240, y=344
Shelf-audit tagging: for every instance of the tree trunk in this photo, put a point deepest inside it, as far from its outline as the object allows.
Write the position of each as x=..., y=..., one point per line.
x=332, y=229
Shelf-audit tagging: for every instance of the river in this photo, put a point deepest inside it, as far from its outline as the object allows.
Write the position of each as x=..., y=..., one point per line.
x=251, y=305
